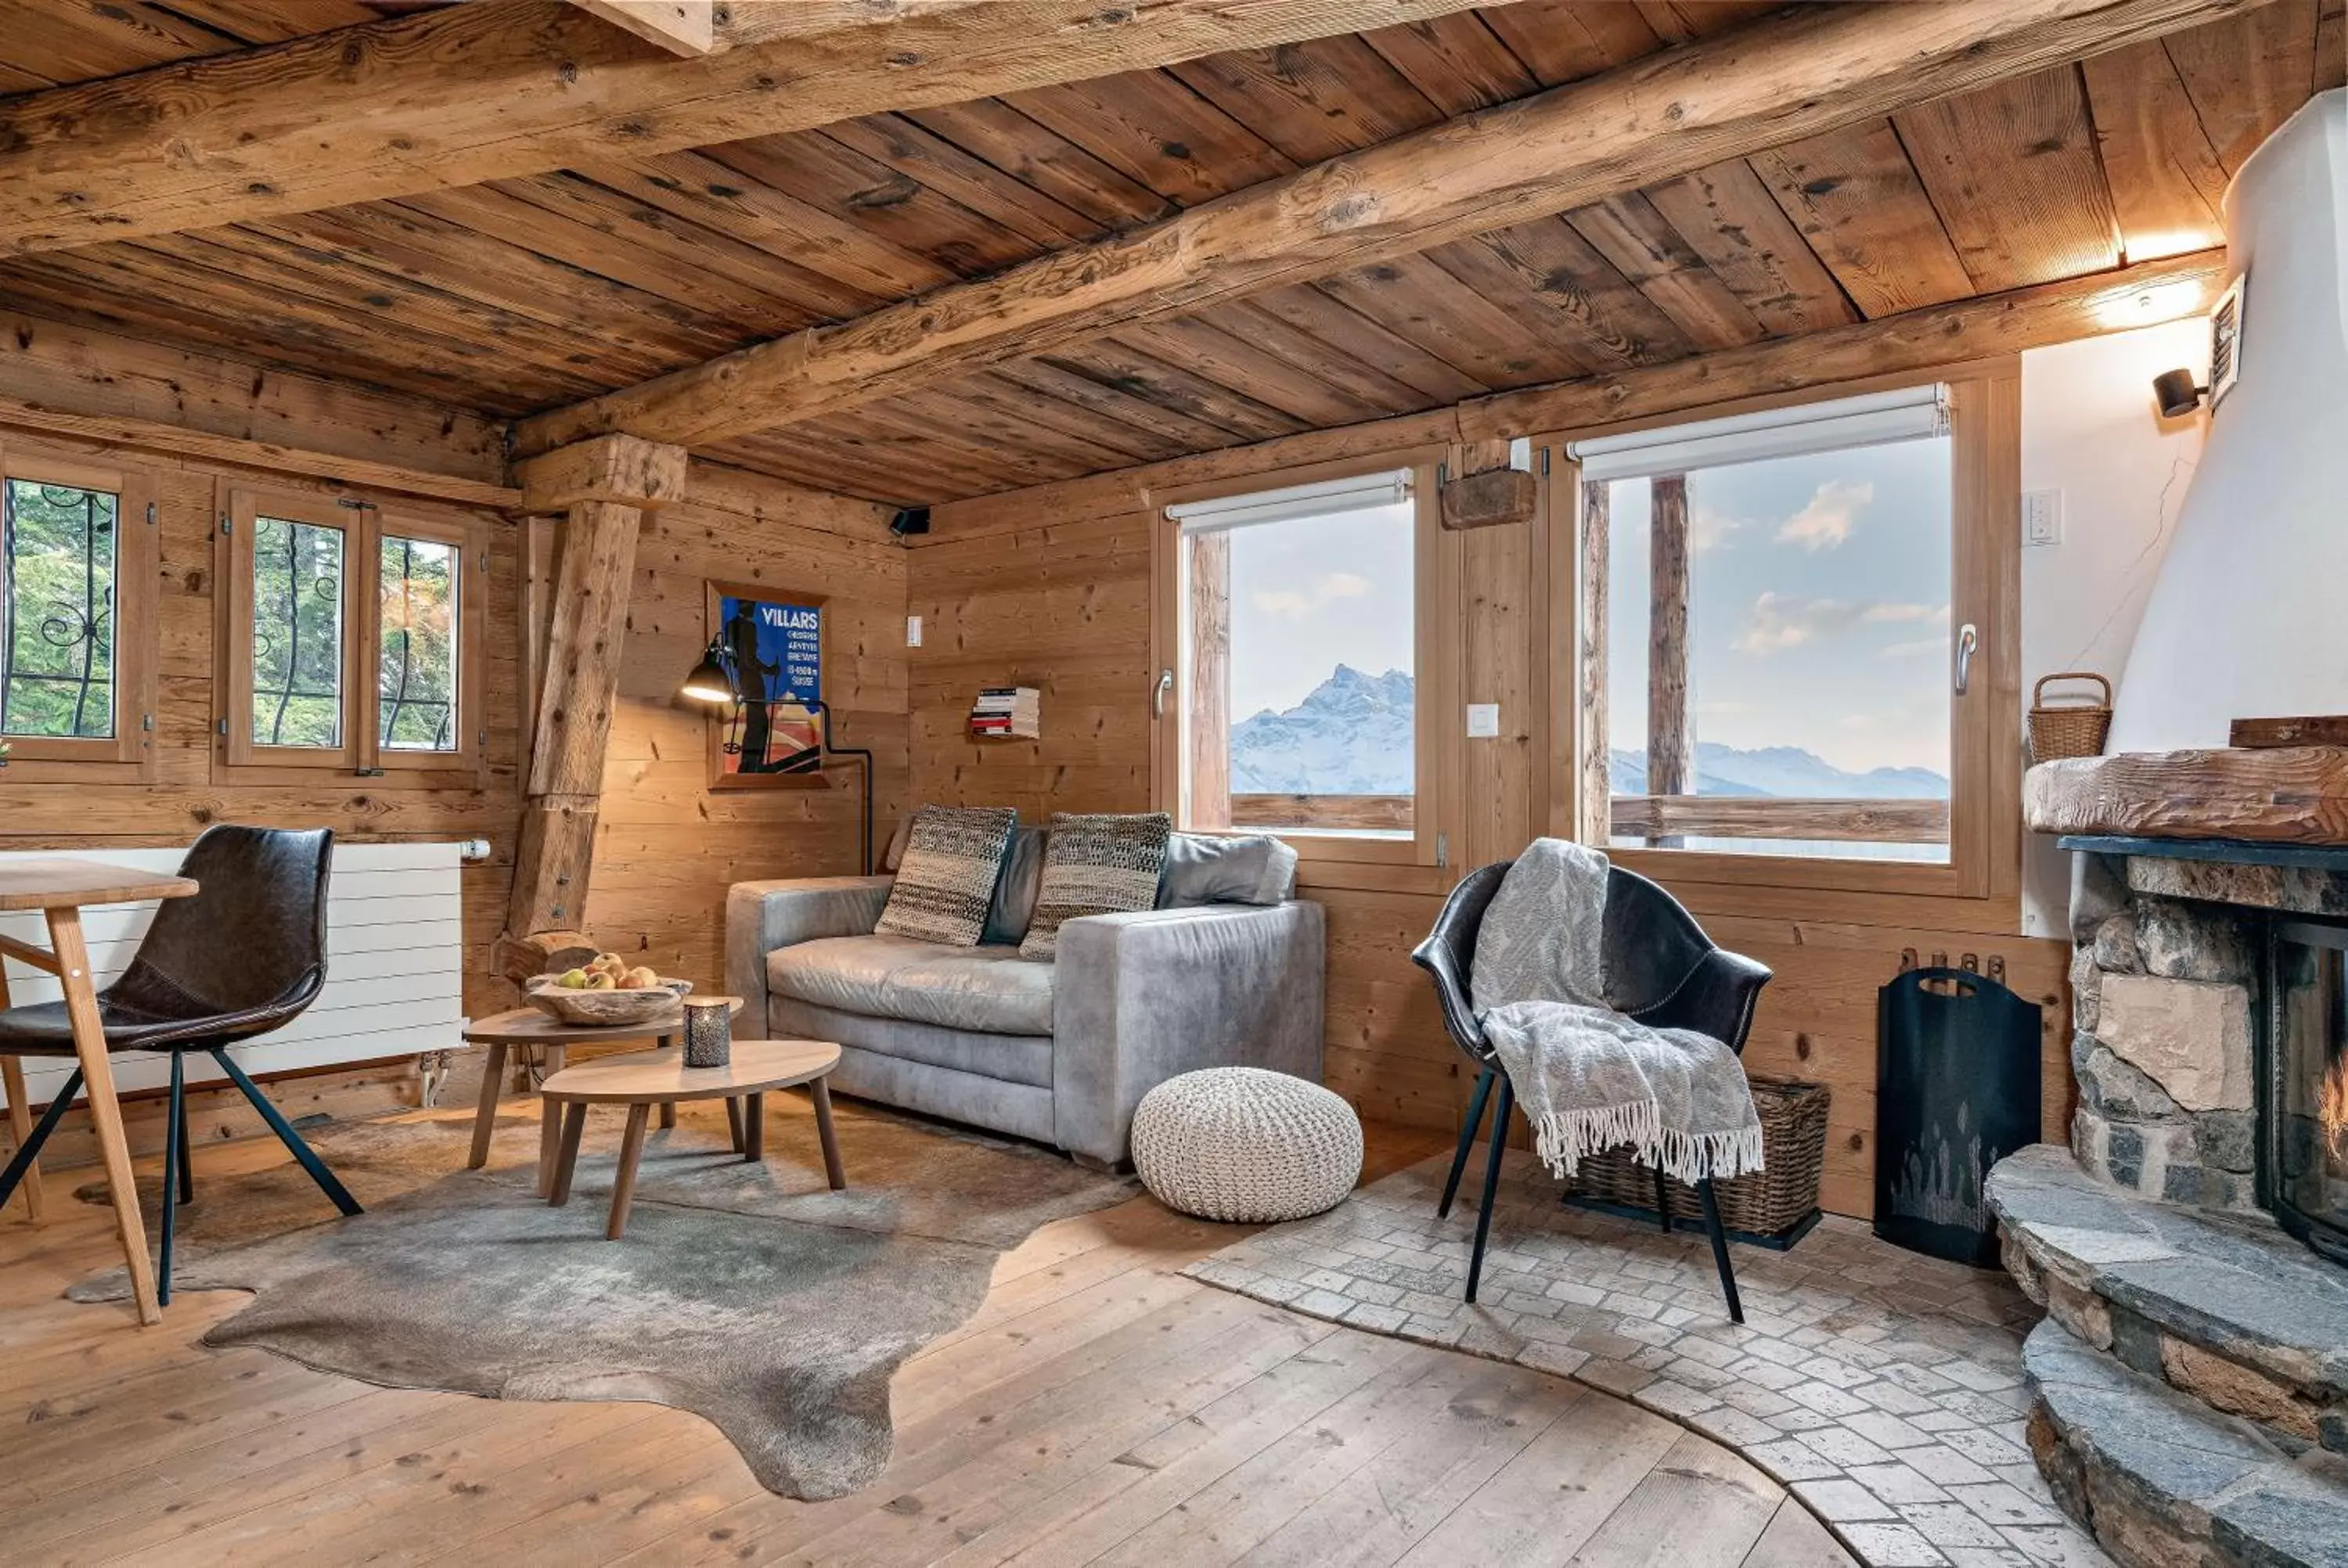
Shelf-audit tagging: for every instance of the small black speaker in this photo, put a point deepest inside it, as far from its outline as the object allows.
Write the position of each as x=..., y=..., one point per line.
x=911, y=520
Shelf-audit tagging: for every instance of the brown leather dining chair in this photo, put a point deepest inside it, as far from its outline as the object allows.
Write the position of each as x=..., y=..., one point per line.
x=245, y=955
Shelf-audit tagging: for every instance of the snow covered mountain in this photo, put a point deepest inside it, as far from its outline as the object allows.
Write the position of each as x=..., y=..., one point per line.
x=1782, y=771
x=1352, y=735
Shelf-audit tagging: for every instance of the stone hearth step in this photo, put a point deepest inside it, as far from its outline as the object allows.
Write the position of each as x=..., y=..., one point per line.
x=2224, y=1307
x=2164, y=1482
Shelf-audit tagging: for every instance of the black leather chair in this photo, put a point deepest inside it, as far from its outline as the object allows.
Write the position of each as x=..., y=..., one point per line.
x=1666, y=974
x=244, y=954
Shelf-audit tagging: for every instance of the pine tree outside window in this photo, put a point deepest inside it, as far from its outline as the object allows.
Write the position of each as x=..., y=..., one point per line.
x=354, y=638
x=77, y=583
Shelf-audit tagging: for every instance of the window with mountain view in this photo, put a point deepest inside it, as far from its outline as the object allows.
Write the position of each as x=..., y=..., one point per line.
x=1778, y=640
x=1300, y=638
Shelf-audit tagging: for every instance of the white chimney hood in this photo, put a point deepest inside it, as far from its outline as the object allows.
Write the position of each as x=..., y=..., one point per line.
x=2248, y=616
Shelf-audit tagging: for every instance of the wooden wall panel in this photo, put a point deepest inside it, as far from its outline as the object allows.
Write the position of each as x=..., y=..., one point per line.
x=1052, y=590
x=666, y=846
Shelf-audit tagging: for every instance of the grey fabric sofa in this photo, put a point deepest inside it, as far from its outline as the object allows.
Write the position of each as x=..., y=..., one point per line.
x=1061, y=1051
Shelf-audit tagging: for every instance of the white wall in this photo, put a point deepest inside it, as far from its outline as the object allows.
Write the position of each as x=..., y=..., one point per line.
x=2089, y=430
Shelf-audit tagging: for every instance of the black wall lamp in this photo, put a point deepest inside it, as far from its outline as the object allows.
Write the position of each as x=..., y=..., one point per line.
x=2176, y=393
x=708, y=685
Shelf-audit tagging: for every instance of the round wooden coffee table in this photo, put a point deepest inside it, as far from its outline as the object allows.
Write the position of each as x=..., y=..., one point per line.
x=528, y=1028
x=642, y=1080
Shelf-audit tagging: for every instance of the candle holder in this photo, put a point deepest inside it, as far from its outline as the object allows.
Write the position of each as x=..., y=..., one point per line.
x=708, y=1031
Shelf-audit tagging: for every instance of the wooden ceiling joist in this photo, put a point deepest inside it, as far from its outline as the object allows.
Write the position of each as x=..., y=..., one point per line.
x=500, y=88
x=1813, y=72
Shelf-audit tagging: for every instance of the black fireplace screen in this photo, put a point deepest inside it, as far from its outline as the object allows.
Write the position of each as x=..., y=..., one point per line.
x=2303, y=1092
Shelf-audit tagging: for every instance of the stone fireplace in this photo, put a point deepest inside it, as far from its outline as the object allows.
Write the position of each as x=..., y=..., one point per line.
x=2208, y=1026
x=2191, y=1377
x=2190, y=1381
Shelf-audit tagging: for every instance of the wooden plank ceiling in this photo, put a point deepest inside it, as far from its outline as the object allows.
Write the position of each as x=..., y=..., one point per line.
x=525, y=295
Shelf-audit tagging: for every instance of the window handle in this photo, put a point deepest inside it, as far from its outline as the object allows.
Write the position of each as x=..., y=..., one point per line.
x=1158, y=698
x=1967, y=640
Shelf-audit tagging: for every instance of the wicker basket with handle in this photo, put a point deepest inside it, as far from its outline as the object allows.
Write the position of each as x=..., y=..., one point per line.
x=1769, y=1202
x=2076, y=728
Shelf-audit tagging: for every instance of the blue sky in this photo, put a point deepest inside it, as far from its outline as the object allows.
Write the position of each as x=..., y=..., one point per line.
x=1819, y=606
x=1309, y=596
x=1819, y=614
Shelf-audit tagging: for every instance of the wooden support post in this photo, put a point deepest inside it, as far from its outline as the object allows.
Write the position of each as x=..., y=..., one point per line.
x=1595, y=803
x=1208, y=691
x=1670, y=742
x=604, y=487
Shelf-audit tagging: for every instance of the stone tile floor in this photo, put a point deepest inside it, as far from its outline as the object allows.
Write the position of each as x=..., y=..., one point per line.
x=1884, y=1388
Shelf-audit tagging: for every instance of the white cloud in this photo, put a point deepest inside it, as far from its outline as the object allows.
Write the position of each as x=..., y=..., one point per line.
x=1828, y=517
x=1933, y=612
x=1709, y=529
x=1291, y=602
x=1777, y=622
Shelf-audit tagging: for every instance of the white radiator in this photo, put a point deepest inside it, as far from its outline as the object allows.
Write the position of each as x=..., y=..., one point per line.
x=394, y=957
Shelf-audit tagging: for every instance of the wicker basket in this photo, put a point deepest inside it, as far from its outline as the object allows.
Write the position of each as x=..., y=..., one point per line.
x=1772, y=1200
x=2076, y=728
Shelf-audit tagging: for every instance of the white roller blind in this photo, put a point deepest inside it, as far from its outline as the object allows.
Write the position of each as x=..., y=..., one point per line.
x=1911, y=413
x=1324, y=499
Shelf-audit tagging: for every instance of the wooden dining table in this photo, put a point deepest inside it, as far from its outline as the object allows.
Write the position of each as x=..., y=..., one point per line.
x=60, y=888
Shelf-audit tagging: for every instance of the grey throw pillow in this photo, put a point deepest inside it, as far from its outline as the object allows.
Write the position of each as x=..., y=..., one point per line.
x=1014, y=891
x=952, y=856
x=1096, y=865
x=1206, y=868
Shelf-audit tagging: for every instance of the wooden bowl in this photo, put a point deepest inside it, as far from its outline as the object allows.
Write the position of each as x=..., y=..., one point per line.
x=605, y=1009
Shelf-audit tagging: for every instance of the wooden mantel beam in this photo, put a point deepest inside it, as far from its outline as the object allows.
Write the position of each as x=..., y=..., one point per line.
x=1815, y=69
x=500, y=88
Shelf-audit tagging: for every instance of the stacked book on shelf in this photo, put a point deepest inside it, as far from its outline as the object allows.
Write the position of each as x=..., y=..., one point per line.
x=1005, y=712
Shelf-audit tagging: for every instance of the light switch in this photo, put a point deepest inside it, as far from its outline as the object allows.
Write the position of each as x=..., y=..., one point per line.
x=912, y=632
x=2041, y=516
x=1483, y=721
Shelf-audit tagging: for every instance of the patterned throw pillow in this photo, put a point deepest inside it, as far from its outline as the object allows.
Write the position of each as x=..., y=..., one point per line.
x=1096, y=865
x=952, y=856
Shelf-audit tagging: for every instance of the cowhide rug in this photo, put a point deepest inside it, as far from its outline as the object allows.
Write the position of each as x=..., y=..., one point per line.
x=749, y=1293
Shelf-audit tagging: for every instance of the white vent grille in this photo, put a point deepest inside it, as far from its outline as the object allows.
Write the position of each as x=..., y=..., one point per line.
x=2226, y=341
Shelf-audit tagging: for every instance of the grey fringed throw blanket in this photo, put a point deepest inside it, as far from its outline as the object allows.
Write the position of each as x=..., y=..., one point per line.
x=1589, y=1078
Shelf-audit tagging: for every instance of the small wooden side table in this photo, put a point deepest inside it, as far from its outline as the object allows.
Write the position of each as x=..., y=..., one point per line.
x=645, y=1078
x=530, y=1027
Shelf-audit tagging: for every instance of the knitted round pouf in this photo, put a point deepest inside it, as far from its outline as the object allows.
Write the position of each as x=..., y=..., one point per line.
x=1241, y=1144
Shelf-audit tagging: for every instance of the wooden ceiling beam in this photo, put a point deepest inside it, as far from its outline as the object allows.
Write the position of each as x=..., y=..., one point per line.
x=1962, y=332
x=1815, y=70
x=685, y=27
x=500, y=88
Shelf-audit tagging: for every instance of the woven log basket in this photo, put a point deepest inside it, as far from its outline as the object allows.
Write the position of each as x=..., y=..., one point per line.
x=1769, y=1200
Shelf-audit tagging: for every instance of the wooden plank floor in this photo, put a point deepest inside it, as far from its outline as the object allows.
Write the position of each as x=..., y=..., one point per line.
x=1097, y=1409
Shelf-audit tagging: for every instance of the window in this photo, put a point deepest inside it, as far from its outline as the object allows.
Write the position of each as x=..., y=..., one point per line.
x=353, y=636
x=1796, y=630
x=1297, y=614
x=77, y=575
x=420, y=602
